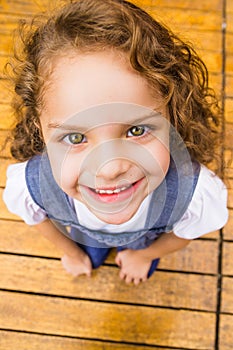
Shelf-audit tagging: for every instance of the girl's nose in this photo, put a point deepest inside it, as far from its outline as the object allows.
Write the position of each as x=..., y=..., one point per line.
x=113, y=169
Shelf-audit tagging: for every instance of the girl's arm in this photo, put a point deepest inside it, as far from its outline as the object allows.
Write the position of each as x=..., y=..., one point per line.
x=75, y=260
x=167, y=243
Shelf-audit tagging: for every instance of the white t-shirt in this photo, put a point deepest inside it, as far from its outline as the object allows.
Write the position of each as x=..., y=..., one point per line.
x=206, y=212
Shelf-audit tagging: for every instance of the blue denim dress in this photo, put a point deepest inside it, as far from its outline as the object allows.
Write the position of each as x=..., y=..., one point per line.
x=167, y=205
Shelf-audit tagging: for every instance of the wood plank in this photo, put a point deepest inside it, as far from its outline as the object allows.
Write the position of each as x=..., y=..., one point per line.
x=227, y=295
x=227, y=258
x=228, y=157
x=212, y=60
x=6, y=91
x=229, y=86
x=229, y=44
x=201, y=40
x=19, y=238
x=17, y=6
x=196, y=257
x=229, y=66
x=212, y=235
x=6, y=44
x=6, y=151
x=25, y=341
x=207, y=5
x=27, y=7
x=46, y=276
x=8, y=23
x=4, y=163
x=229, y=22
x=200, y=256
x=117, y=322
x=226, y=331
x=228, y=135
x=215, y=81
x=3, y=61
x=6, y=118
x=229, y=108
x=193, y=18
x=229, y=7
x=228, y=229
x=230, y=193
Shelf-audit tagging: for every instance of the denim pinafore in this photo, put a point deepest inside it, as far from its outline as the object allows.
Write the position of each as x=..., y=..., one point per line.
x=167, y=205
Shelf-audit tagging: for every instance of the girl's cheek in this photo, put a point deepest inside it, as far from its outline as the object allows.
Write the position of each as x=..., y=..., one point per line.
x=161, y=155
x=70, y=173
x=65, y=170
x=164, y=159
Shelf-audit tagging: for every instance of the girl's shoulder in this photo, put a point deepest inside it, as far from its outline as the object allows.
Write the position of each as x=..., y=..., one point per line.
x=207, y=211
x=17, y=197
x=210, y=188
x=16, y=169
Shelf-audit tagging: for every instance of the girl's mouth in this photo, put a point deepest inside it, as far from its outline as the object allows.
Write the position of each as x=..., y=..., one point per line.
x=114, y=194
x=109, y=192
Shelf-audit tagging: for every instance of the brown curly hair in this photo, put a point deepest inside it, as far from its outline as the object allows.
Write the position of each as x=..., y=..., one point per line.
x=158, y=55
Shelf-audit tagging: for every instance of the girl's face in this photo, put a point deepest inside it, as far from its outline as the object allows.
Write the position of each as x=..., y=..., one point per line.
x=106, y=138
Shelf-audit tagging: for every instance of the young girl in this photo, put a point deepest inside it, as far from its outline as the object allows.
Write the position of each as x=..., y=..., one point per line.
x=115, y=127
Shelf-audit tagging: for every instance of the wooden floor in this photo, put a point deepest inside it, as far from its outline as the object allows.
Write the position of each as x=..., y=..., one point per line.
x=187, y=304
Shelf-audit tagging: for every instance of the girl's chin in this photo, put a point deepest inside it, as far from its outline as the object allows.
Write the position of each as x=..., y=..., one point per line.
x=115, y=219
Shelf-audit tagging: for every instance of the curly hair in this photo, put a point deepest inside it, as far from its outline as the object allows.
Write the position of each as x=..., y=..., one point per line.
x=158, y=55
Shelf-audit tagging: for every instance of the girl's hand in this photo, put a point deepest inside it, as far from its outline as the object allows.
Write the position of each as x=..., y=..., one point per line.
x=134, y=266
x=80, y=264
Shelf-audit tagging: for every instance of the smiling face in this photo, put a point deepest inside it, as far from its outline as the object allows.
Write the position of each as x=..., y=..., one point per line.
x=107, y=146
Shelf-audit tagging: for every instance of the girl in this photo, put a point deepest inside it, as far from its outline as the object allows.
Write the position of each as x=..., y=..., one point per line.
x=115, y=127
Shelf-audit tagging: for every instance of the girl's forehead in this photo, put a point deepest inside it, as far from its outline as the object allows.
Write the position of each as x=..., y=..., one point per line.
x=96, y=79
x=107, y=114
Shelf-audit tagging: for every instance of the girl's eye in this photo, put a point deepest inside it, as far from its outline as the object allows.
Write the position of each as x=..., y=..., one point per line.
x=137, y=131
x=74, y=139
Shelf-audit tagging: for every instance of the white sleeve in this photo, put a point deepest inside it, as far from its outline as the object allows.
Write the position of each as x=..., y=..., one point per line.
x=17, y=197
x=207, y=211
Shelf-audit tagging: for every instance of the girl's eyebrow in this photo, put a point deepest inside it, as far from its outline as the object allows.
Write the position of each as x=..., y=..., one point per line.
x=67, y=127
x=70, y=127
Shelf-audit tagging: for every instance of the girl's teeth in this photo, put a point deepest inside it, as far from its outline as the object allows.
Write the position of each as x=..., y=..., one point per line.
x=117, y=190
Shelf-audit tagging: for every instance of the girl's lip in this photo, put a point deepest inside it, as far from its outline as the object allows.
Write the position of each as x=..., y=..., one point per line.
x=108, y=190
x=119, y=193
